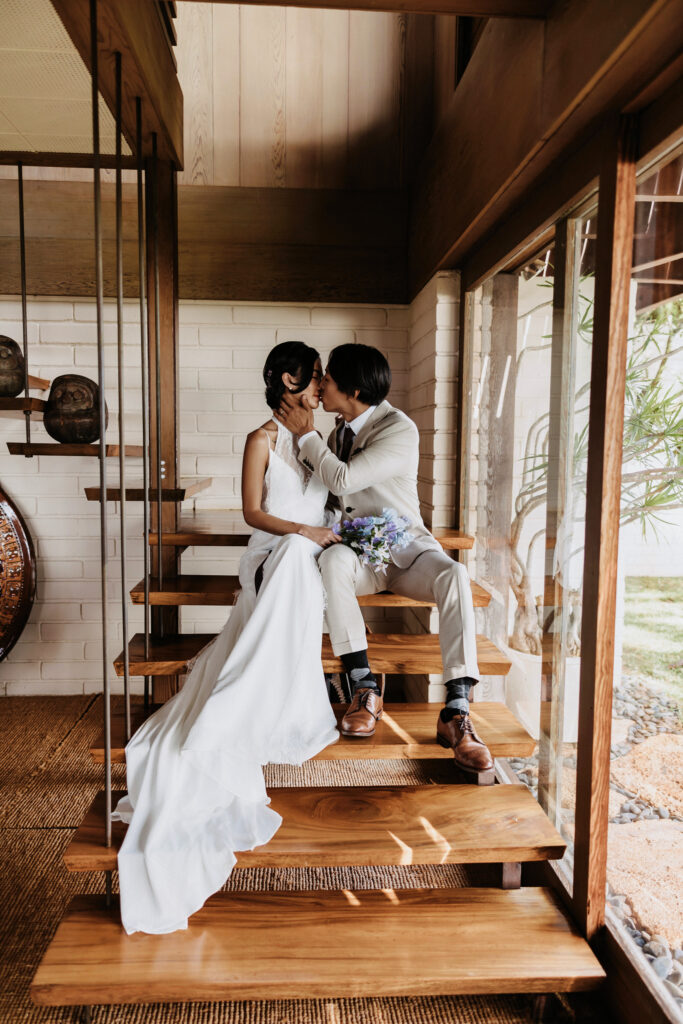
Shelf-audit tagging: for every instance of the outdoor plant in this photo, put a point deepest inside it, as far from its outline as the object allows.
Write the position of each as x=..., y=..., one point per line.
x=652, y=464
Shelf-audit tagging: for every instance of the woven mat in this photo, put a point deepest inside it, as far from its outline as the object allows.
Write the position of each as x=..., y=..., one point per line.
x=46, y=785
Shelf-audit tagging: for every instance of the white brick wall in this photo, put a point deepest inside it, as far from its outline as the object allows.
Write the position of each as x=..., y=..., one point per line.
x=222, y=349
x=432, y=399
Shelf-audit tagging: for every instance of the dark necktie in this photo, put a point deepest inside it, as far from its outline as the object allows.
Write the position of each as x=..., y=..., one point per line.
x=347, y=441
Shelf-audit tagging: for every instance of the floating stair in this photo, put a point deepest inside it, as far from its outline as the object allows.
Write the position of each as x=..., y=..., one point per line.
x=405, y=653
x=404, y=731
x=22, y=405
x=222, y=590
x=372, y=825
x=277, y=945
x=227, y=528
x=92, y=450
x=186, y=489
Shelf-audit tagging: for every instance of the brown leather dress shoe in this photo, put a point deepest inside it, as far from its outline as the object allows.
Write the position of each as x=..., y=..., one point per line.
x=364, y=711
x=469, y=751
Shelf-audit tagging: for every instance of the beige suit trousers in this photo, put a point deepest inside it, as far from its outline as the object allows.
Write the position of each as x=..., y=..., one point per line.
x=433, y=576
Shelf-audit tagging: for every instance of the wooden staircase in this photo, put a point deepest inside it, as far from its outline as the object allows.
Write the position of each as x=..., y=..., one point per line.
x=256, y=945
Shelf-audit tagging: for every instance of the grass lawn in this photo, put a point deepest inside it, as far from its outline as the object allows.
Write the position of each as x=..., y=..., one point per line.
x=653, y=633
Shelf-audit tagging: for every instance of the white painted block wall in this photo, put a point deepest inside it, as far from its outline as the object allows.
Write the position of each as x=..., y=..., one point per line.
x=222, y=349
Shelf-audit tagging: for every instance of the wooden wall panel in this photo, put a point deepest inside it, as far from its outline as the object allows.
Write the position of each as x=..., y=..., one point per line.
x=262, y=96
x=303, y=98
x=235, y=243
x=196, y=73
x=335, y=124
x=226, y=94
x=304, y=81
x=374, y=97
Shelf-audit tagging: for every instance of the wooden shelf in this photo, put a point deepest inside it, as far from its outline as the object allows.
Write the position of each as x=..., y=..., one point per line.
x=227, y=528
x=186, y=489
x=71, y=450
x=38, y=383
x=404, y=731
x=221, y=590
x=277, y=945
x=404, y=653
x=22, y=404
x=375, y=825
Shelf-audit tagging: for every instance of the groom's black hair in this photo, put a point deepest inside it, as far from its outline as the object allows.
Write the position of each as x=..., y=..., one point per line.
x=292, y=357
x=360, y=368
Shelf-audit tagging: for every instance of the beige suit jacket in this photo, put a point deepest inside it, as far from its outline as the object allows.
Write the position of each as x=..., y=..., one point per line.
x=381, y=473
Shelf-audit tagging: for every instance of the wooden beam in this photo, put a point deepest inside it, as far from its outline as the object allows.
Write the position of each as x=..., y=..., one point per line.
x=235, y=243
x=509, y=121
x=603, y=496
x=467, y=8
x=133, y=29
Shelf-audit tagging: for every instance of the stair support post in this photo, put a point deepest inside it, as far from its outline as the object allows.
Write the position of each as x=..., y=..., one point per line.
x=144, y=367
x=162, y=291
x=99, y=293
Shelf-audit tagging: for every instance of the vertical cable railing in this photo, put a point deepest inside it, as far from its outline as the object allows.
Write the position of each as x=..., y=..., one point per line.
x=122, y=432
x=157, y=367
x=144, y=358
x=99, y=293
x=24, y=311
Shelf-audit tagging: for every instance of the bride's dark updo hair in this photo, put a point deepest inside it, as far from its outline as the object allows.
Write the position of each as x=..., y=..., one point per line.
x=293, y=357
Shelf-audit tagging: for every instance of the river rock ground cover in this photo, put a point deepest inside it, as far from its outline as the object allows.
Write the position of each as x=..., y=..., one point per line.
x=645, y=843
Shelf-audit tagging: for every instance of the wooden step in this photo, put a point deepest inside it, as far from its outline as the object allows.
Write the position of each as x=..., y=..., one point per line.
x=374, y=825
x=404, y=653
x=404, y=731
x=22, y=404
x=73, y=450
x=222, y=590
x=227, y=528
x=277, y=945
x=38, y=383
x=185, y=489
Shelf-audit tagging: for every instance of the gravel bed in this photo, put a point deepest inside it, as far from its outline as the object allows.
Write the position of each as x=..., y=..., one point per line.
x=651, y=713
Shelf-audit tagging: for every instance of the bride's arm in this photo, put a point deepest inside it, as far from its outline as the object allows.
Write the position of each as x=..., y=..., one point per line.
x=254, y=465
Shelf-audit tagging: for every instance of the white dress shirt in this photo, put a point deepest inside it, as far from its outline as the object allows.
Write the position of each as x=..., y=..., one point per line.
x=356, y=425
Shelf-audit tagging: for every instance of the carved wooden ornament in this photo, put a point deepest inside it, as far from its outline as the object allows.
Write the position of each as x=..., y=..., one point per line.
x=17, y=574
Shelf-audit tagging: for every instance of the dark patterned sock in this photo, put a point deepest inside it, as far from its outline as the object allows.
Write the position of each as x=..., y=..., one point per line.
x=359, y=672
x=457, y=697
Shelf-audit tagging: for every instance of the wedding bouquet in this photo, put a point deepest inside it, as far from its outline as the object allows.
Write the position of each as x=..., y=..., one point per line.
x=373, y=537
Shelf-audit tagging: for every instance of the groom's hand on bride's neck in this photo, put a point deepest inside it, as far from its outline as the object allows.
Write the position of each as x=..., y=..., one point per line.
x=295, y=414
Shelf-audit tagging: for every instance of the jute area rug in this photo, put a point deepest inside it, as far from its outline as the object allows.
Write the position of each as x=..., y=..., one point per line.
x=47, y=781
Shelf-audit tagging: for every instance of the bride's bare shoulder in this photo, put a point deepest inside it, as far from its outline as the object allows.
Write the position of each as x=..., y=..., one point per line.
x=264, y=436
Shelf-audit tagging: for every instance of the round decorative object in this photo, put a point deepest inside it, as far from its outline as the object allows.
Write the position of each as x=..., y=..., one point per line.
x=11, y=368
x=17, y=574
x=72, y=413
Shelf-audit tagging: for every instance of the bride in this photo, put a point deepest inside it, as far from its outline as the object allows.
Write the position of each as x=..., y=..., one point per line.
x=256, y=694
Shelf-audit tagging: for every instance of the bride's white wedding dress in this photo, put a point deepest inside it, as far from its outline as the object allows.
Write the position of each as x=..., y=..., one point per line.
x=255, y=695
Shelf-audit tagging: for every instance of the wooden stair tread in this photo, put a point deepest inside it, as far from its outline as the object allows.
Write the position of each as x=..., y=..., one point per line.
x=208, y=589
x=271, y=945
x=38, y=383
x=404, y=731
x=227, y=528
x=185, y=489
x=453, y=540
x=92, y=450
x=22, y=404
x=382, y=825
x=405, y=653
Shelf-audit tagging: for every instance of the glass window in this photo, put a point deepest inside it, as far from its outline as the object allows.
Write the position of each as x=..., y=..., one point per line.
x=645, y=851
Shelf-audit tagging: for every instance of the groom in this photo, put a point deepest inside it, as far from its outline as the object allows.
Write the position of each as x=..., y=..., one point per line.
x=370, y=462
